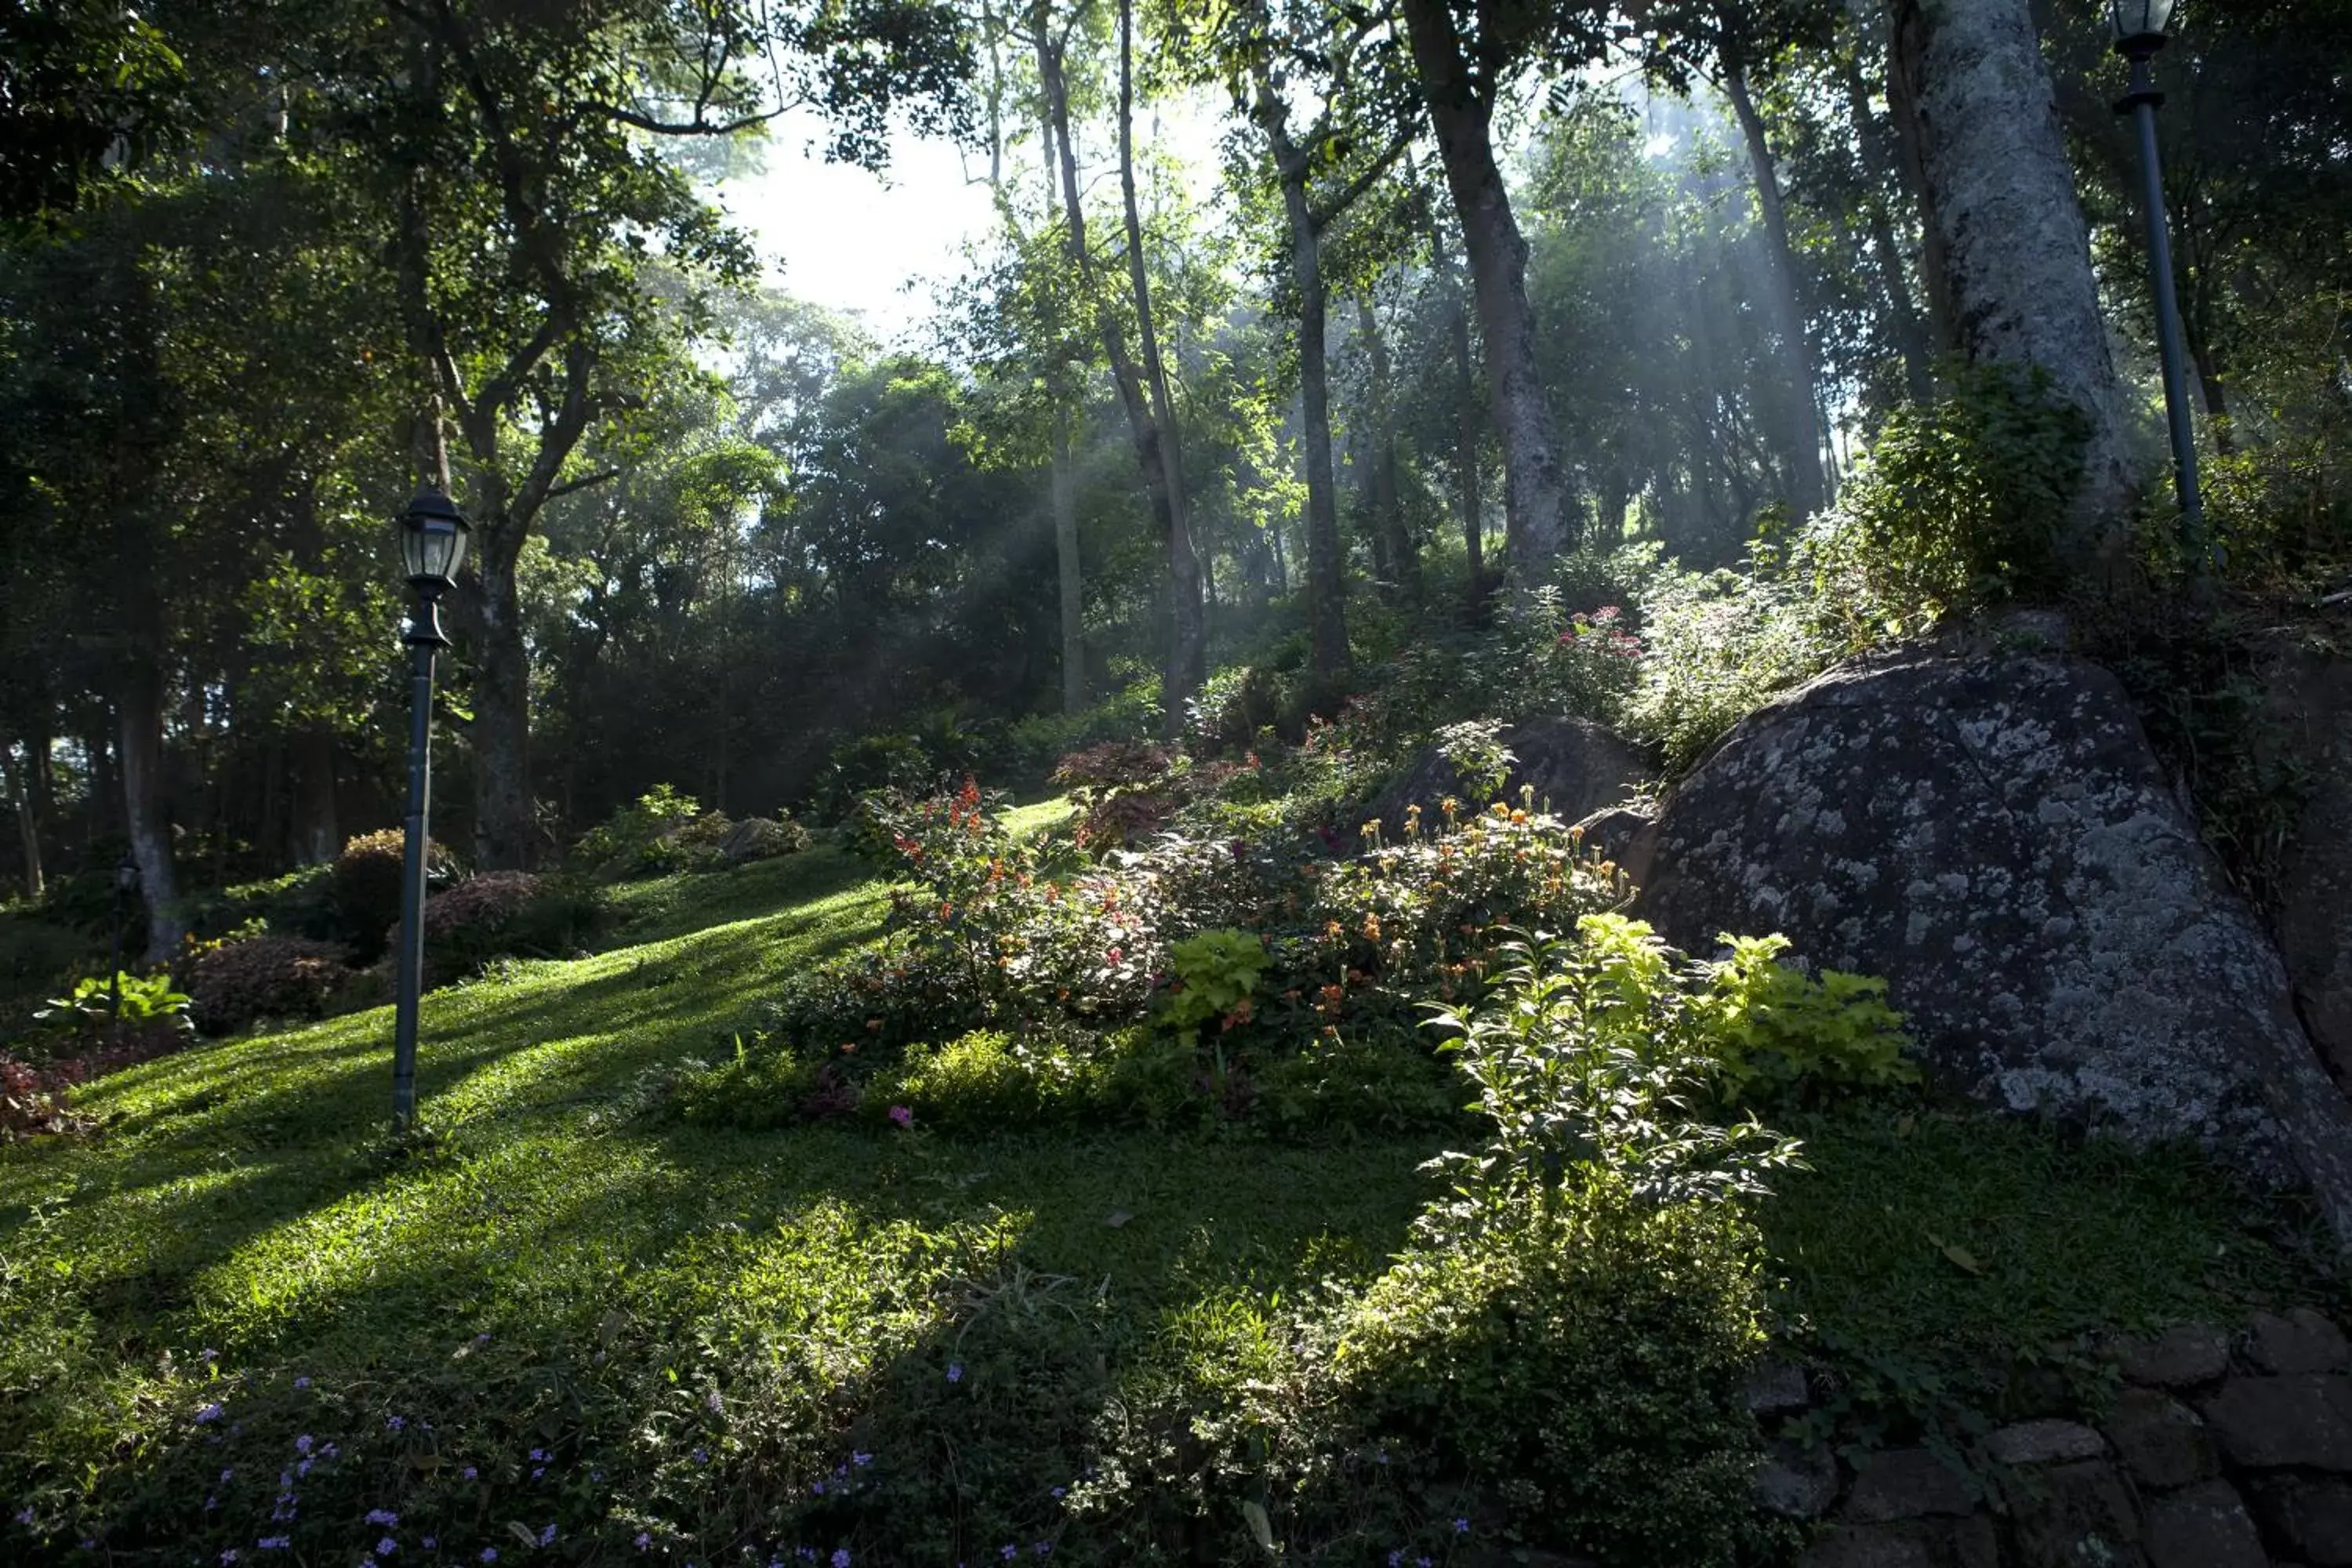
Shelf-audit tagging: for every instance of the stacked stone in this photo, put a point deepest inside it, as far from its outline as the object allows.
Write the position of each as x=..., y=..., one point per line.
x=2207, y=1458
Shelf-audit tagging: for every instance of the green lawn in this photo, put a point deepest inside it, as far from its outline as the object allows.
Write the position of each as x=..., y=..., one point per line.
x=664, y=1302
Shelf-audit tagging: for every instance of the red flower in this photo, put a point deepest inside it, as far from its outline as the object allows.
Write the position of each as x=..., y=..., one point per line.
x=1114, y=955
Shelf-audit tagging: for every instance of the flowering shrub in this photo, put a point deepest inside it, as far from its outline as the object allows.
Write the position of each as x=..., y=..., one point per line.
x=1123, y=789
x=236, y=984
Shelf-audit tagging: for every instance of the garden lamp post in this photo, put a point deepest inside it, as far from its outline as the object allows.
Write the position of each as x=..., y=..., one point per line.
x=432, y=542
x=126, y=883
x=2139, y=31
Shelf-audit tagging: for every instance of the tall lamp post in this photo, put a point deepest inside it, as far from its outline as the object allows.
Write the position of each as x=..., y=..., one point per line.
x=432, y=542
x=2139, y=31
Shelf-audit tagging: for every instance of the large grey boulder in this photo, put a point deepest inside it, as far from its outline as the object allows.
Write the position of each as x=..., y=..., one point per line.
x=1992, y=834
x=1577, y=766
x=2308, y=704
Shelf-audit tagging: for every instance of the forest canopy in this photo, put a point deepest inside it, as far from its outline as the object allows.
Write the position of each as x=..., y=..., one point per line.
x=1482, y=313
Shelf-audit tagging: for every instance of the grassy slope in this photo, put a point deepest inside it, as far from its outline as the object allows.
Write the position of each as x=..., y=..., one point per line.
x=240, y=1200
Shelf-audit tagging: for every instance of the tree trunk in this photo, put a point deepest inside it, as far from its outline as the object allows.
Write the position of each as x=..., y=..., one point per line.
x=317, y=836
x=1327, y=618
x=1386, y=489
x=1910, y=328
x=1540, y=507
x=504, y=828
x=29, y=812
x=1142, y=426
x=1806, y=488
x=143, y=806
x=1065, y=559
x=1189, y=648
x=2016, y=253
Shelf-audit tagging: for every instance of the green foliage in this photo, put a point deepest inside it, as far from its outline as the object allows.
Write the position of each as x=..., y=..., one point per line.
x=367, y=879
x=1589, y=1058
x=1213, y=975
x=1475, y=751
x=1960, y=503
x=653, y=835
x=95, y=1001
x=1720, y=645
x=1772, y=1029
x=1651, y=1313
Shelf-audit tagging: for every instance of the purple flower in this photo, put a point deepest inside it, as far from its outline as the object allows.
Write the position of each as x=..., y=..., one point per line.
x=841, y=1557
x=386, y=1547
x=490, y=1554
x=25, y=1516
x=644, y=1540
x=226, y=1476
x=817, y=1488
x=209, y=1355
x=1460, y=1527
x=210, y=1413
x=303, y=1468
x=714, y=1402
x=395, y=1423
x=430, y=1541
x=382, y=1516
x=470, y=1473
x=1010, y=1552
x=547, y=1536
x=303, y=1444
x=1058, y=1492
x=273, y=1543
x=955, y=1371
x=1043, y=1549
x=1396, y=1559
x=902, y=1115
x=301, y=1383
x=482, y=1339
x=701, y=1456
x=229, y=1555
x=861, y=1458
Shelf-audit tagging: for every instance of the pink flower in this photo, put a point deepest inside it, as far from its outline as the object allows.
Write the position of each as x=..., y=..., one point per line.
x=902, y=1116
x=1114, y=956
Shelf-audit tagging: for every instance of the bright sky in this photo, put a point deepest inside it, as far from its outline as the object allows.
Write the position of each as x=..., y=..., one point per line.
x=837, y=236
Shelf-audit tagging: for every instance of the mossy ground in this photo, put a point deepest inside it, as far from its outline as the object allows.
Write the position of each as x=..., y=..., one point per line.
x=241, y=1200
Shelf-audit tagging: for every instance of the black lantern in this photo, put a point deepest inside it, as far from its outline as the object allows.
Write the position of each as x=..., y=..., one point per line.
x=2140, y=25
x=432, y=541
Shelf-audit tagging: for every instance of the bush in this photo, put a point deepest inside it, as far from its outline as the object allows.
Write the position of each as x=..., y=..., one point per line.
x=503, y=914
x=231, y=985
x=367, y=880
x=101, y=1007
x=1586, y=1359
x=1961, y=502
x=1719, y=646
x=663, y=831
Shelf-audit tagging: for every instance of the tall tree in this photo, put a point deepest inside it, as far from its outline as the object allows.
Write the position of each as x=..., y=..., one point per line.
x=2009, y=241
x=1466, y=73
x=1360, y=127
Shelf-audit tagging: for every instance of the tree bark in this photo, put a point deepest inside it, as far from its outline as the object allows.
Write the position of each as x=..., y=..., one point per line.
x=317, y=836
x=1807, y=486
x=1189, y=649
x=1387, y=489
x=19, y=780
x=1142, y=428
x=2014, y=249
x=1911, y=339
x=1069, y=570
x=1327, y=619
x=145, y=811
x=1538, y=505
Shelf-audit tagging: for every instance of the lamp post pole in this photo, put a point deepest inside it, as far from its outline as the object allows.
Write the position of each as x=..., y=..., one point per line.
x=2139, y=101
x=424, y=640
x=433, y=541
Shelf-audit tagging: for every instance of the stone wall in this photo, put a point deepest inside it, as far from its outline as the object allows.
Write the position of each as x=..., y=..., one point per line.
x=2215, y=1453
